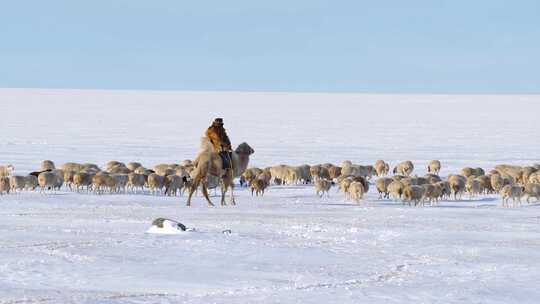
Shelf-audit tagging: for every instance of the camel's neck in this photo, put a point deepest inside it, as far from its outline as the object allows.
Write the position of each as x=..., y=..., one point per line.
x=243, y=162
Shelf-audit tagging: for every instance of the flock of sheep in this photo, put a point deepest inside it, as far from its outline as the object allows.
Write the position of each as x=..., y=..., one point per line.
x=511, y=182
x=116, y=177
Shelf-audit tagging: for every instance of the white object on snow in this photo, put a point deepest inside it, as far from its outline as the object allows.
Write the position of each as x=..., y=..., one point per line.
x=166, y=226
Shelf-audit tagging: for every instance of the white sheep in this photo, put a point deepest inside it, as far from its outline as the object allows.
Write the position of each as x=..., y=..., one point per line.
x=534, y=178
x=485, y=182
x=136, y=181
x=17, y=182
x=445, y=188
x=59, y=178
x=265, y=176
x=513, y=192
x=381, y=168
x=30, y=182
x=156, y=183
x=173, y=185
x=319, y=172
x=5, y=171
x=119, y=170
x=112, y=164
x=90, y=168
x=164, y=170
x=100, y=182
x=432, y=178
x=526, y=172
x=473, y=187
x=382, y=186
x=457, y=185
x=121, y=181
x=82, y=179
x=532, y=190
x=413, y=193
x=47, y=180
x=47, y=165
x=404, y=168
x=497, y=182
x=333, y=171
x=510, y=170
x=279, y=173
x=133, y=165
x=258, y=186
x=356, y=191
x=250, y=174
x=68, y=178
x=432, y=193
x=322, y=186
x=4, y=185
x=395, y=189
x=72, y=167
x=434, y=166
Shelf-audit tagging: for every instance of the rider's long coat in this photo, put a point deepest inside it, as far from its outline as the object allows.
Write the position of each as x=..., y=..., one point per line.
x=218, y=137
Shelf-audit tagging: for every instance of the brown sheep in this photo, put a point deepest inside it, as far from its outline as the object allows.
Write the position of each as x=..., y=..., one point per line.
x=413, y=194
x=258, y=186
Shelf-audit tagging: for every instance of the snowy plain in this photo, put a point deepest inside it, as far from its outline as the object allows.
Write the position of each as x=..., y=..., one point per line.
x=289, y=246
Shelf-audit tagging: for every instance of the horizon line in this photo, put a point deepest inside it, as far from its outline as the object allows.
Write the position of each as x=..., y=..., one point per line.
x=341, y=92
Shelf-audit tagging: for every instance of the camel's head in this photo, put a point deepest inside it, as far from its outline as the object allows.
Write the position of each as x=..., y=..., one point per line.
x=244, y=149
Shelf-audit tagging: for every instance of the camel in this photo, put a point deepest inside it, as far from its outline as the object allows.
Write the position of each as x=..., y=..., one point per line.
x=209, y=163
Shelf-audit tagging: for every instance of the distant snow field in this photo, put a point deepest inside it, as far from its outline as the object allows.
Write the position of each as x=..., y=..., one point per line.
x=289, y=246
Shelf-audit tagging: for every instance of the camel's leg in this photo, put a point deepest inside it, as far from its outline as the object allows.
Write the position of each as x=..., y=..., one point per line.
x=223, y=192
x=192, y=189
x=205, y=193
x=231, y=185
x=226, y=183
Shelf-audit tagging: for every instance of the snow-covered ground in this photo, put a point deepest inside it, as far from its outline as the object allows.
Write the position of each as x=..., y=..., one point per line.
x=288, y=247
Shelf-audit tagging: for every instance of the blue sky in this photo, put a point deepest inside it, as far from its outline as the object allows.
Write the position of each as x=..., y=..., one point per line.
x=414, y=46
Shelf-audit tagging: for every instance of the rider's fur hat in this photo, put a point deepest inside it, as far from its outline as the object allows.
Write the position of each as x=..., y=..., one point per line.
x=218, y=121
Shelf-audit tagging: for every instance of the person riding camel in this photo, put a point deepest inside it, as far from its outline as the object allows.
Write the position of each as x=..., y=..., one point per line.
x=219, y=139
